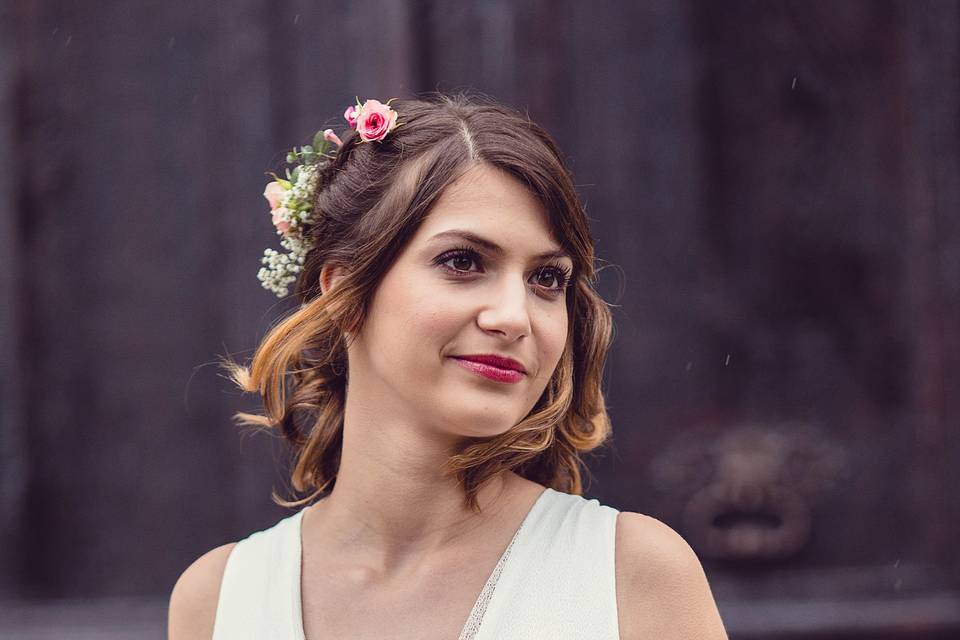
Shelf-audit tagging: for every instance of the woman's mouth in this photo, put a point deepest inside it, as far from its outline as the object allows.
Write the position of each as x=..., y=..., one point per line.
x=489, y=371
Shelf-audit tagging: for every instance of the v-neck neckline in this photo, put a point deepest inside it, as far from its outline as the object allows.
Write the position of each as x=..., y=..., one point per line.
x=297, y=573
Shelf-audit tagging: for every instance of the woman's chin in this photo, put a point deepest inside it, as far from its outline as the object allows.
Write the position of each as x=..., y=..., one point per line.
x=480, y=426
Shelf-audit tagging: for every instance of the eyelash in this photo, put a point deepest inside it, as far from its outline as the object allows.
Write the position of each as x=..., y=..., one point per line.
x=562, y=272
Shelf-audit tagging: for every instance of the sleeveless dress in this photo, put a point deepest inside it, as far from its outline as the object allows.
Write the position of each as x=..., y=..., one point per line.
x=554, y=580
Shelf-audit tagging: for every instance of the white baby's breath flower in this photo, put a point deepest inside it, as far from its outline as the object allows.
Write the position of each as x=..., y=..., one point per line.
x=297, y=203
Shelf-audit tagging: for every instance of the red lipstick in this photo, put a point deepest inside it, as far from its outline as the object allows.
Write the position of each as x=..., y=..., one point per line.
x=493, y=367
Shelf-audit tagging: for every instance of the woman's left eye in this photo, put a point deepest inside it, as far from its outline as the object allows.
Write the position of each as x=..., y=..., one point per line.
x=557, y=273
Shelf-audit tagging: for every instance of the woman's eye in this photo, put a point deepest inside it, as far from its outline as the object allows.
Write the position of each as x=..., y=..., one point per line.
x=460, y=262
x=552, y=278
x=558, y=275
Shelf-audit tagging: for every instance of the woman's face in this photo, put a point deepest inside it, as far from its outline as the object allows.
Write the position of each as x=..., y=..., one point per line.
x=447, y=296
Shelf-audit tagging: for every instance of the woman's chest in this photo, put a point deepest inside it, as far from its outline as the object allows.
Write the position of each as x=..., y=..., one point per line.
x=434, y=606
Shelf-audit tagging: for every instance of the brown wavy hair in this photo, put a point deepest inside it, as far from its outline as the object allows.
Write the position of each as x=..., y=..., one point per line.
x=371, y=199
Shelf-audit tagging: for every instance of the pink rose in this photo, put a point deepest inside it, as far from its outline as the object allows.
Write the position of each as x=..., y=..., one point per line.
x=282, y=225
x=351, y=116
x=375, y=121
x=274, y=194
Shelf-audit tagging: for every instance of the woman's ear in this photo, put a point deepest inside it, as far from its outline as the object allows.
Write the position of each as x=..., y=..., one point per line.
x=330, y=275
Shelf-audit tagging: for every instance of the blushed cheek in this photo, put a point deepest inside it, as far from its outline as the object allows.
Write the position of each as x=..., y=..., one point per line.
x=422, y=317
x=554, y=343
x=390, y=327
x=436, y=325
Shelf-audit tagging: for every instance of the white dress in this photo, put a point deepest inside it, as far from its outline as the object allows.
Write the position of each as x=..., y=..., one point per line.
x=555, y=579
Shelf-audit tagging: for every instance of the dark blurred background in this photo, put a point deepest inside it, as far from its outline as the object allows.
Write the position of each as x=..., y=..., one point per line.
x=775, y=192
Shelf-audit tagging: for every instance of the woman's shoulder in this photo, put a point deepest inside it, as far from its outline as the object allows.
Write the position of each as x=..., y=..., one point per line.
x=193, y=601
x=196, y=594
x=662, y=590
x=638, y=533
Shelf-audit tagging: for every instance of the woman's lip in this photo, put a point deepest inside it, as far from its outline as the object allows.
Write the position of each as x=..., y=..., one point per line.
x=489, y=371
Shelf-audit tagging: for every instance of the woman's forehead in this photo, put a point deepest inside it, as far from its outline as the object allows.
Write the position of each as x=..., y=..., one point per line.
x=489, y=207
x=486, y=185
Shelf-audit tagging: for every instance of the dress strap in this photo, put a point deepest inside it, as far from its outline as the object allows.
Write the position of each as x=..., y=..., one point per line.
x=260, y=589
x=561, y=580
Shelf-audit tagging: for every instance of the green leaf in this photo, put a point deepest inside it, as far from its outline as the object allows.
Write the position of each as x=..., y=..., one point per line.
x=296, y=174
x=322, y=145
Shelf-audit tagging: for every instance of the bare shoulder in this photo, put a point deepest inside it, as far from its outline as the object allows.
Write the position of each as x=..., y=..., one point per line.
x=193, y=601
x=662, y=590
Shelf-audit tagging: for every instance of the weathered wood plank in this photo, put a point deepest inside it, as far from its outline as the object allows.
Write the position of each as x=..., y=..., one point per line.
x=13, y=454
x=930, y=70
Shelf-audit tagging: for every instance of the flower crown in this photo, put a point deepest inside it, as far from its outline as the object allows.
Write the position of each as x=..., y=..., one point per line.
x=291, y=200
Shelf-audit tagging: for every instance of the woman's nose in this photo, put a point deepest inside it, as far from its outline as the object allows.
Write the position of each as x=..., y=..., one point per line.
x=506, y=310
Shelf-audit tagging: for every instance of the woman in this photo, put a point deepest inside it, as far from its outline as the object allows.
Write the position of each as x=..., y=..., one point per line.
x=439, y=383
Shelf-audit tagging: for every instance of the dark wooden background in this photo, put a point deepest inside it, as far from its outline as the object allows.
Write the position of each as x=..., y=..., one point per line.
x=775, y=192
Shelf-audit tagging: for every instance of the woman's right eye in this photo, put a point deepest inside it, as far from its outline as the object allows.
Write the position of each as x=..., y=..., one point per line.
x=460, y=259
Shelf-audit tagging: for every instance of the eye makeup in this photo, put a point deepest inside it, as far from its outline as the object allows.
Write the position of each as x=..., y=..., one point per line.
x=560, y=272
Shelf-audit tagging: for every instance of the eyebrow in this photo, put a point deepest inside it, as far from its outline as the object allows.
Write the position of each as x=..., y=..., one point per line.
x=492, y=246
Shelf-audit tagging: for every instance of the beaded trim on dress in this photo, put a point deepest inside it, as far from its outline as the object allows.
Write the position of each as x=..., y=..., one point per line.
x=472, y=626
